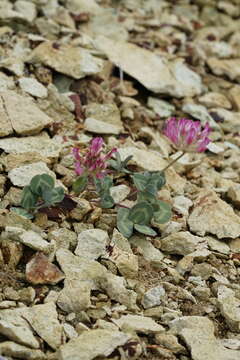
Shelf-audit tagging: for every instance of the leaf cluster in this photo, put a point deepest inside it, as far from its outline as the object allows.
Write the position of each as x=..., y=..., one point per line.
x=120, y=165
x=148, y=208
x=38, y=194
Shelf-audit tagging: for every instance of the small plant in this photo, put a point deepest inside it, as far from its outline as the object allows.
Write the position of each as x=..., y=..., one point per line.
x=118, y=165
x=38, y=194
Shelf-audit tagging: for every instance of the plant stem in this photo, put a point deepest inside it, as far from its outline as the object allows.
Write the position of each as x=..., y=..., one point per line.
x=172, y=162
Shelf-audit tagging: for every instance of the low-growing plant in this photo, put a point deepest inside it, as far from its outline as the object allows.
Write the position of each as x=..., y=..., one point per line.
x=40, y=193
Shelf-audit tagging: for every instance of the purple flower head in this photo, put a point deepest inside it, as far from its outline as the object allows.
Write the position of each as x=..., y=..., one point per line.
x=93, y=163
x=187, y=135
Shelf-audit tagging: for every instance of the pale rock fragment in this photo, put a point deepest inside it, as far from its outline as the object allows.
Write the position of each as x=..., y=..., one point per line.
x=230, y=120
x=200, y=112
x=75, y=62
x=153, y=297
x=148, y=251
x=154, y=72
x=10, y=348
x=214, y=99
x=181, y=204
x=228, y=67
x=119, y=192
x=27, y=9
x=91, y=344
x=19, y=333
x=138, y=323
x=234, y=95
x=217, y=245
x=22, y=175
x=234, y=194
x=214, y=216
x=181, y=243
x=92, y=244
x=198, y=333
x=229, y=306
x=161, y=107
x=33, y=87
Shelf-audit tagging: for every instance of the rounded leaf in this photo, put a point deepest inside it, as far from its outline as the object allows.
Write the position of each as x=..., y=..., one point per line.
x=40, y=183
x=22, y=212
x=29, y=199
x=144, y=229
x=80, y=184
x=124, y=225
x=163, y=213
x=141, y=213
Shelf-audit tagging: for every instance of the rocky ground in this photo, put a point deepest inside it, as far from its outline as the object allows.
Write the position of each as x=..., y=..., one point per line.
x=72, y=287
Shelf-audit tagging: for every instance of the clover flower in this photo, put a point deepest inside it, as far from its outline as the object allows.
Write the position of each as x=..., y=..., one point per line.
x=187, y=135
x=93, y=163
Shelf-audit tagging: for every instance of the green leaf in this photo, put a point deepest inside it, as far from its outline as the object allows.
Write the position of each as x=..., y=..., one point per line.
x=163, y=213
x=106, y=201
x=28, y=200
x=124, y=225
x=146, y=196
x=140, y=181
x=53, y=196
x=103, y=185
x=40, y=183
x=22, y=212
x=125, y=161
x=141, y=213
x=145, y=230
x=80, y=184
x=156, y=182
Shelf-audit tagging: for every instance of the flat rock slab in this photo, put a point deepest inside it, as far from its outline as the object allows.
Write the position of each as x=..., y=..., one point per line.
x=40, y=144
x=138, y=323
x=198, y=333
x=19, y=114
x=214, y=216
x=72, y=61
x=10, y=348
x=181, y=243
x=152, y=71
x=92, y=243
x=92, y=344
x=228, y=67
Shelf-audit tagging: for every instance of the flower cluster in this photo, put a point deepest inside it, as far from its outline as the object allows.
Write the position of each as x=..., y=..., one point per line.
x=93, y=163
x=187, y=135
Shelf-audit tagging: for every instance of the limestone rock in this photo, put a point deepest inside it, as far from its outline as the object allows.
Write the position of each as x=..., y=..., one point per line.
x=181, y=243
x=63, y=238
x=146, y=248
x=214, y=216
x=228, y=67
x=138, y=323
x=213, y=99
x=39, y=270
x=18, y=333
x=230, y=307
x=21, y=115
x=22, y=175
x=153, y=297
x=40, y=144
x=200, y=112
x=234, y=194
x=181, y=204
x=161, y=107
x=126, y=261
x=217, y=245
x=234, y=95
x=92, y=243
x=46, y=314
x=198, y=333
x=119, y=193
x=92, y=344
x=10, y=348
x=100, y=127
x=72, y=61
x=229, y=119
x=33, y=87
x=152, y=71
x=27, y=238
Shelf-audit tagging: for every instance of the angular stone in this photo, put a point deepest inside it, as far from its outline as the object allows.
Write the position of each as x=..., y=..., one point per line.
x=230, y=120
x=18, y=333
x=22, y=114
x=33, y=87
x=229, y=306
x=72, y=61
x=10, y=348
x=138, y=323
x=234, y=194
x=160, y=107
x=153, y=297
x=27, y=238
x=126, y=262
x=92, y=344
x=200, y=112
x=92, y=243
x=234, y=95
x=182, y=204
x=75, y=296
x=63, y=238
x=213, y=215
x=22, y=175
x=154, y=72
x=100, y=127
x=44, y=320
x=5, y=124
x=149, y=252
x=213, y=99
x=40, y=144
x=181, y=243
x=228, y=67
x=198, y=333
x=39, y=270
x=119, y=192
x=217, y=245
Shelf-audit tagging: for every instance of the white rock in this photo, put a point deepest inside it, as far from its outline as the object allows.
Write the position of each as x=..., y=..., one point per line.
x=155, y=73
x=228, y=67
x=18, y=333
x=100, y=127
x=181, y=243
x=43, y=145
x=198, y=333
x=92, y=243
x=214, y=99
x=200, y=112
x=181, y=204
x=72, y=61
x=22, y=175
x=12, y=349
x=153, y=297
x=33, y=87
x=28, y=238
x=142, y=324
x=92, y=344
x=229, y=306
x=213, y=215
x=217, y=245
x=27, y=9
x=119, y=193
x=149, y=252
x=161, y=107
